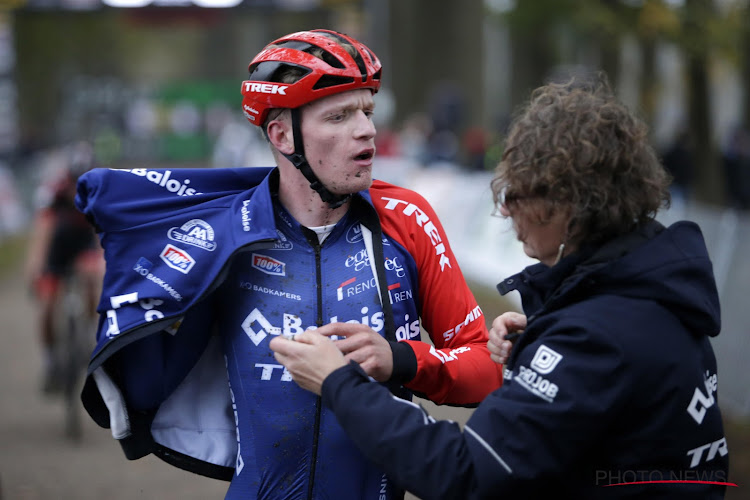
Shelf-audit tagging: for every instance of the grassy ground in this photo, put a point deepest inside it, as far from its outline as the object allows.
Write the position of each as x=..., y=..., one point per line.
x=12, y=252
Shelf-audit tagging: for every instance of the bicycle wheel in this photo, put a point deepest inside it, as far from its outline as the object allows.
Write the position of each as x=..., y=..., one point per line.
x=74, y=351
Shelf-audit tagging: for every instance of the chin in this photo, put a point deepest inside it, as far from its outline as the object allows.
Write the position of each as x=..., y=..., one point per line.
x=361, y=183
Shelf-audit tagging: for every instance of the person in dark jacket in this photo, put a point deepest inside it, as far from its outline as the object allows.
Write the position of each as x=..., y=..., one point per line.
x=611, y=389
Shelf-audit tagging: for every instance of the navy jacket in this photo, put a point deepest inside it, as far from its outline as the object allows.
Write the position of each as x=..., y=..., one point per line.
x=611, y=391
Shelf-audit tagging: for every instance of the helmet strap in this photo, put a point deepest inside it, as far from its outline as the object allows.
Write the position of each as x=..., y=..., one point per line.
x=300, y=162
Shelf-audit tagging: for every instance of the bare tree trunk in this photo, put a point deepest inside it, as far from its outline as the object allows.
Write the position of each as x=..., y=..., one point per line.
x=745, y=62
x=708, y=174
x=433, y=42
x=648, y=84
x=531, y=60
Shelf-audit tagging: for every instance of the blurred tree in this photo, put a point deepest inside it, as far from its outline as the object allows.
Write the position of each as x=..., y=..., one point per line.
x=436, y=43
x=743, y=49
x=698, y=28
x=696, y=45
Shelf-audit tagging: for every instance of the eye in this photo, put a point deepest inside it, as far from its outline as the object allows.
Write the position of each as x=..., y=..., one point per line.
x=337, y=116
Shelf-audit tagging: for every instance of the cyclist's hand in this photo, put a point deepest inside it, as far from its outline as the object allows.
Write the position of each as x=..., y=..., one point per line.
x=365, y=346
x=504, y=325
x=310, y=358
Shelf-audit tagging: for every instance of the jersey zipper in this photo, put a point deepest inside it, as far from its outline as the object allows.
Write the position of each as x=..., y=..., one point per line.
x=313, y=239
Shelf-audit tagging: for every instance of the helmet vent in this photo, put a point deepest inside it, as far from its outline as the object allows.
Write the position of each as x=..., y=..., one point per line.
x=314, y=50
x=357, y=56
x=326, y=81
x=278, y=72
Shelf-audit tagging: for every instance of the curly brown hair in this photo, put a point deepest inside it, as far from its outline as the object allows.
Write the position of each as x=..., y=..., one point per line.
x=577, y=148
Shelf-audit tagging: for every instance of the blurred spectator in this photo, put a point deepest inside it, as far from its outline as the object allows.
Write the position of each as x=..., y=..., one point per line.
x=387, y=142
x=12, y=212
x=678, y=161
x=442, y=147
x=475, y=144
x=736, y=162
x=413, y=137
x=447, y=107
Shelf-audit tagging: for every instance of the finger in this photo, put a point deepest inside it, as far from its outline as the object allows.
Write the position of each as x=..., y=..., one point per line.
x=494, y=357
x=518, y=320
x=281, y=345
x=354, y=342
x=341, y=329
x=310, y=337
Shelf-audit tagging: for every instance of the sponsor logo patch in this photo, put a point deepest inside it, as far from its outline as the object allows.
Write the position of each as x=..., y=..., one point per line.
x=545, y=360
x=143, y=267
x=265, y=88
x=245, y=212
x=176, y=258
x=195, y=232
x=173, y=185
x=268, y=265
x=283, y=242
x=354, y=233
x=536, y=384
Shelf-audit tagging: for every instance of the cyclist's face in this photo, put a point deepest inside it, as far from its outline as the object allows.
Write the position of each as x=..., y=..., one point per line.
x=339, y=140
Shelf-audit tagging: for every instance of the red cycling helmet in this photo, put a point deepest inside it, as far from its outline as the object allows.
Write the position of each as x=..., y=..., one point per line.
x=323, y=66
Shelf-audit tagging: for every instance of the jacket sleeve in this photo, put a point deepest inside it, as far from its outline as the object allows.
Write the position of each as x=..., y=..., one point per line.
x=535, y=426
x=456, y=368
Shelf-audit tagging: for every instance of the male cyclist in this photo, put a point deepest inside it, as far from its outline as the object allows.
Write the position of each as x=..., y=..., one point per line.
x=254, y=253
x=62, y=242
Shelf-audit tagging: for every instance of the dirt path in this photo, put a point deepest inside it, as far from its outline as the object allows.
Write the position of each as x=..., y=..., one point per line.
x=36, y=461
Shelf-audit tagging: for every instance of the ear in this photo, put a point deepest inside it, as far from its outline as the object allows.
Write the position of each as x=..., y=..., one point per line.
x=280, y=135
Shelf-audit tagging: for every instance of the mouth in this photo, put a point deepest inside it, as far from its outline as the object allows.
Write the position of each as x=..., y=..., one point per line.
x=366, y=155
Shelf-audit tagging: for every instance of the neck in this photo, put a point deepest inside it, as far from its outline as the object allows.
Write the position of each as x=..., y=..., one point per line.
x=304, y=203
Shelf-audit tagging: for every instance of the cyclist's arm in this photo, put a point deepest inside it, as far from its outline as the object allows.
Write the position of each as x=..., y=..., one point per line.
x=39, y=242
x=457, y=368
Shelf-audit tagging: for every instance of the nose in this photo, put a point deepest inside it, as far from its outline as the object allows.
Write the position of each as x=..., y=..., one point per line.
x=365, y=128
x=504, y=210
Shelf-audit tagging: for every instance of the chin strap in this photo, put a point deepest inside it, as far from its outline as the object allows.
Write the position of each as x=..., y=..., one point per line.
x=300, y=162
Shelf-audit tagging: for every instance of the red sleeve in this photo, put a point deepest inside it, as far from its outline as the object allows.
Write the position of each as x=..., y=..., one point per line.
x=458, y=369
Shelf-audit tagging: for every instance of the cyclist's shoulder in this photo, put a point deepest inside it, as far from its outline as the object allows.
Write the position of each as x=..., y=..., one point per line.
x=389, y=196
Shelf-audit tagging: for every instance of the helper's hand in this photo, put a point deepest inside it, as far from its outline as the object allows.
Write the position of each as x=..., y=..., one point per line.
x=310, y=358
x=505, y=324
x=363, y=345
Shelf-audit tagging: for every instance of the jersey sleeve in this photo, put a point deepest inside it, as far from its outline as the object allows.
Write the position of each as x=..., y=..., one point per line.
x=456, y=368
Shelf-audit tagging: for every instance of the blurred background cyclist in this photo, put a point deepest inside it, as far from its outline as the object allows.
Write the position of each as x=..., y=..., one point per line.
x=62, y=244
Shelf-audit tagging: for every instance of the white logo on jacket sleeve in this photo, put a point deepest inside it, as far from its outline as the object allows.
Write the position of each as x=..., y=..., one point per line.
x=194, y=232
x=176, y=258
x=701, y=402
x=545, y=360
x=162, y=178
